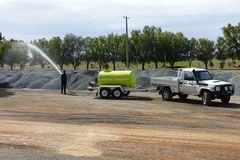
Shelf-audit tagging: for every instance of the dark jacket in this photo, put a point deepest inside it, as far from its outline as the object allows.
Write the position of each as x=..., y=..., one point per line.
x=64, y=78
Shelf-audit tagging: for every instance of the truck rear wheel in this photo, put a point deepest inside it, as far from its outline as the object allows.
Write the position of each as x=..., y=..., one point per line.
x=167, y=94
x=104, y=93
x=206, y=98
x=225, y=100
x=117, y=93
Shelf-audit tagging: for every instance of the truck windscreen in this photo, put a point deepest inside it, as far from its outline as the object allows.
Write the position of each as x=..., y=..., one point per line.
x=202, y=75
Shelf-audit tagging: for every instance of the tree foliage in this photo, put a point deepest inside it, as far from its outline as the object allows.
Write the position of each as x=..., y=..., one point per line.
x=3, y=46
x=56, y=51
x=153, y=49
x=73, y=47
x=138, y=48
x=206, y=49
x=221, y=51
x=149, y=45
x=16, y=53
x=113, y=48
x=173, y=47
x=232, y=39
x=192, y=50
x=36, y=57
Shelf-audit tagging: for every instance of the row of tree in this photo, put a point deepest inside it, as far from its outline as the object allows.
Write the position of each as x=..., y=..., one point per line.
x=148, y=45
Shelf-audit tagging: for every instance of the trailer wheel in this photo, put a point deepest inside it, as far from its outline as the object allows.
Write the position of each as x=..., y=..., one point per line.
x=225, y=100
x=104, y=93
x=117, y=93
x=206, y=98
x=167, y=94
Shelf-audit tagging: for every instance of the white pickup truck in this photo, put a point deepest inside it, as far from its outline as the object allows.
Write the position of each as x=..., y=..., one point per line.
x=193, y=81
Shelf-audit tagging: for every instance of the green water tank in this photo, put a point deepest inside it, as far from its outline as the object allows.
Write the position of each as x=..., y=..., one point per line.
x=123, y=78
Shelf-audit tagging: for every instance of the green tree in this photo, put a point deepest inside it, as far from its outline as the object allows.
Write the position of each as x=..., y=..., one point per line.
x=2, y=53
x=159, y=55
x=73, y=47
x=140, y=46
x=16, y=53
x=113, y=48
x=36, y=57
x=96, y=50
x=1, y=37
x=122, y=50
x=3, y=46
x=153, y=49
x=173, y=47
x=206, y=49
x=232, y=39
x=221, y=51
x=56, y=51
x=192, y=51
x=101, y=53
x=161, y=48
x=179, y=48
x=87, y=52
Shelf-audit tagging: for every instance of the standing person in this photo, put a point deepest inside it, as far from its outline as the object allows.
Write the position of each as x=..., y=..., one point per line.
x=63, y=82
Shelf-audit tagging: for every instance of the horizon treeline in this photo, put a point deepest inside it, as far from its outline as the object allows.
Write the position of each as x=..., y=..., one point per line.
x=149, y=45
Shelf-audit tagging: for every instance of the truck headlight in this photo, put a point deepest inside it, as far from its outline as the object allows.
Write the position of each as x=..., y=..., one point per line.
x=226, y=88
x=218, y=88
x=231, y=88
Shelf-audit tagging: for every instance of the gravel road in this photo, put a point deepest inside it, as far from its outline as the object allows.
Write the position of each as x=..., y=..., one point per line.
x=28, y=154
x=43, y=124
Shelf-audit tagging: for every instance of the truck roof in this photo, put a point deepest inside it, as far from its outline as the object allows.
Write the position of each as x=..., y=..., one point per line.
x=191, y=69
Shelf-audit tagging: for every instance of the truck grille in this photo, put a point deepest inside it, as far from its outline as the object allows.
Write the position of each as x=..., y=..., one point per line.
x=225, y=88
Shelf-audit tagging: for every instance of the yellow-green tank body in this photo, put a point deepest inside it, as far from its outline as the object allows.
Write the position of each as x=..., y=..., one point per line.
x=123, y=78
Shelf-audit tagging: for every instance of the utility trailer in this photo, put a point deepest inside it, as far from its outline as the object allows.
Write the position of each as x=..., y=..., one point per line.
x=115, y=83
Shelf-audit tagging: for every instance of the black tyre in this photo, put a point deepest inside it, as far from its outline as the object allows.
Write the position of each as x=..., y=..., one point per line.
x=117, y=93
x=206, y=98
x=225, y=100
x=104, y=93
x=183, y=96
x=167, y=94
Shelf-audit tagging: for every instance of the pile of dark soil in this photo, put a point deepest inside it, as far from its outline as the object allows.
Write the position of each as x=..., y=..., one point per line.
x=78, y=80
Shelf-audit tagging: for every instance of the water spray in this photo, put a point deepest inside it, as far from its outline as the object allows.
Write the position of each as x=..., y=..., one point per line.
x=32, y=46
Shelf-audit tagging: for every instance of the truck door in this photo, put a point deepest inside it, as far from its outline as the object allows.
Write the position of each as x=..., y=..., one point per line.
x=187, y=84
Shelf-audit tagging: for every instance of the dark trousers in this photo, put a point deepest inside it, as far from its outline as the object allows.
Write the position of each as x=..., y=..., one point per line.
x=63, y=87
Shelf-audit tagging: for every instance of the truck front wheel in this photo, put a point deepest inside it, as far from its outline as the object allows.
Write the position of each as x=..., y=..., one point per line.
x=104, y=93
x=167, y=94
x=225, y=100
x=206, y=98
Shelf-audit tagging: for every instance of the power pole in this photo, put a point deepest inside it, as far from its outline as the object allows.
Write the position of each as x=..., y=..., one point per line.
x=127, y=56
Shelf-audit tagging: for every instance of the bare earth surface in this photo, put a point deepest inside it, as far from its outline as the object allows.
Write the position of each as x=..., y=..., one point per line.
x=40, y=124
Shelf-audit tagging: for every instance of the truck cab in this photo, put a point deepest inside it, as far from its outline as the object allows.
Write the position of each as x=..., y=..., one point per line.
x=187, y=82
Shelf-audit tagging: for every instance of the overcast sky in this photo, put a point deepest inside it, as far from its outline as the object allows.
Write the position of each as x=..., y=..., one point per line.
x=32, y=19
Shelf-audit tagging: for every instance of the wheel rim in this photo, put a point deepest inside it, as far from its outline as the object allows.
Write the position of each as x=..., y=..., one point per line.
x=104, y=93
x=165, y=94
x=117, y=93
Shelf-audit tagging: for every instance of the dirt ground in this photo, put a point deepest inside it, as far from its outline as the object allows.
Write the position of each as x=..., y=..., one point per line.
x=138, y=127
